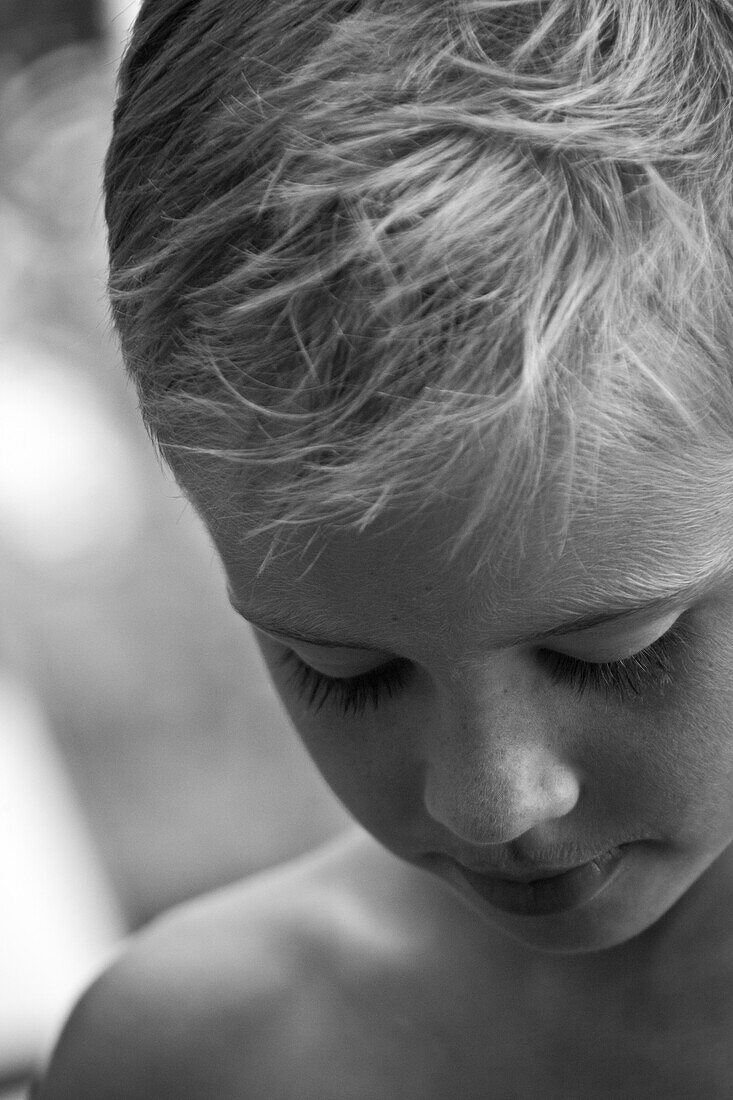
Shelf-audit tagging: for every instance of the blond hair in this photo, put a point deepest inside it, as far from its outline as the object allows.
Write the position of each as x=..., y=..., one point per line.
x=356, y=246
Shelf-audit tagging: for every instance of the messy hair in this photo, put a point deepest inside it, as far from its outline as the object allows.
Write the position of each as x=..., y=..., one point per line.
x=357, y=248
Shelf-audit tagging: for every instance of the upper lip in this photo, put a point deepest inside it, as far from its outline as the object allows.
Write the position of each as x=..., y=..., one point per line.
x=526, y=870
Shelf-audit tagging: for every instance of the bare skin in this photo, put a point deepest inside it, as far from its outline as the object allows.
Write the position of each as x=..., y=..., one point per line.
x=374, y=969
x=349, y=975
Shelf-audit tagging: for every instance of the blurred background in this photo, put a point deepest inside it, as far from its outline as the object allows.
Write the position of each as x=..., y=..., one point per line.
x=144, y=757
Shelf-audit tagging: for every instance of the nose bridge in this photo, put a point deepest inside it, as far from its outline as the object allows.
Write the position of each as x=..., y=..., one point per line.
x=494, y=769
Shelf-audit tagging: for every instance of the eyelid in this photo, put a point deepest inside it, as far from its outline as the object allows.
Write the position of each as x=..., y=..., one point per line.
x=292, y=639
x=626, y=645
x=323, y=660
x=581, y=647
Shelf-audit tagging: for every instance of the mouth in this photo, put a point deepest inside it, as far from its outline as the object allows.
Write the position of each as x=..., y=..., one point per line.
x=543, y=891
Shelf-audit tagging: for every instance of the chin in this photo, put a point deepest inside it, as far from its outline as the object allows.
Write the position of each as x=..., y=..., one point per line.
x=577, y=933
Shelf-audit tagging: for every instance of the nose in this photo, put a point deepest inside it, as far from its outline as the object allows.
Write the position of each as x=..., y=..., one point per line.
x=489, y=785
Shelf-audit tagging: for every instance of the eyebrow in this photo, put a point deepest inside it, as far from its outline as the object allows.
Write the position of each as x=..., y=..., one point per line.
x=574, y=625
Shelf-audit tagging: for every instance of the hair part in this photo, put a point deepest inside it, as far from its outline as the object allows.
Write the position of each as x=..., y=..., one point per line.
x=359, y=248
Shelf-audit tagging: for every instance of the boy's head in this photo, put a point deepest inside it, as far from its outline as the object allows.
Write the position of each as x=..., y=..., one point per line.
x=459, y=271
x=359, y=248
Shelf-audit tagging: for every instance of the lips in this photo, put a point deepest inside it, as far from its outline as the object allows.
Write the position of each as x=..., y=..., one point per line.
x=546, y=892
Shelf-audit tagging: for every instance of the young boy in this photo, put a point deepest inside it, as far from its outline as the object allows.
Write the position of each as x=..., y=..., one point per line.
x=429, y=309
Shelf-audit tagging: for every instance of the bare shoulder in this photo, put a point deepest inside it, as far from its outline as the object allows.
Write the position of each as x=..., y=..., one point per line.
x=256, y=990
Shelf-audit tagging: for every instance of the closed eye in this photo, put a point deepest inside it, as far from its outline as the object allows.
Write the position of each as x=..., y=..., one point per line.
x=350, y=693
x=652, y=667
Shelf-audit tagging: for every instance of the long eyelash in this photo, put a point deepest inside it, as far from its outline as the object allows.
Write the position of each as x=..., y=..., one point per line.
x=651, y=667
x=353, y=694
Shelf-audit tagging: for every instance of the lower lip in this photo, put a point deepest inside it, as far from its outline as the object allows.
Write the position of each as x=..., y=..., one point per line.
x=544, y=896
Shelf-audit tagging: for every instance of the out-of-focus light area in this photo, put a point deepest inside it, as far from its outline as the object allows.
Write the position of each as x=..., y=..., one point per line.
x=67, y=486
x=144, y=757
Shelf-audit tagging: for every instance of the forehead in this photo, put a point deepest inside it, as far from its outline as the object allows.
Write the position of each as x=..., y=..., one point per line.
x=642, y=530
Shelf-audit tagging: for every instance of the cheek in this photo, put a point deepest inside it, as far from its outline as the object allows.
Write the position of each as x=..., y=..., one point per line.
x=704, y=744
x=365, y=760
x=702, y=757
x=672, y=762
